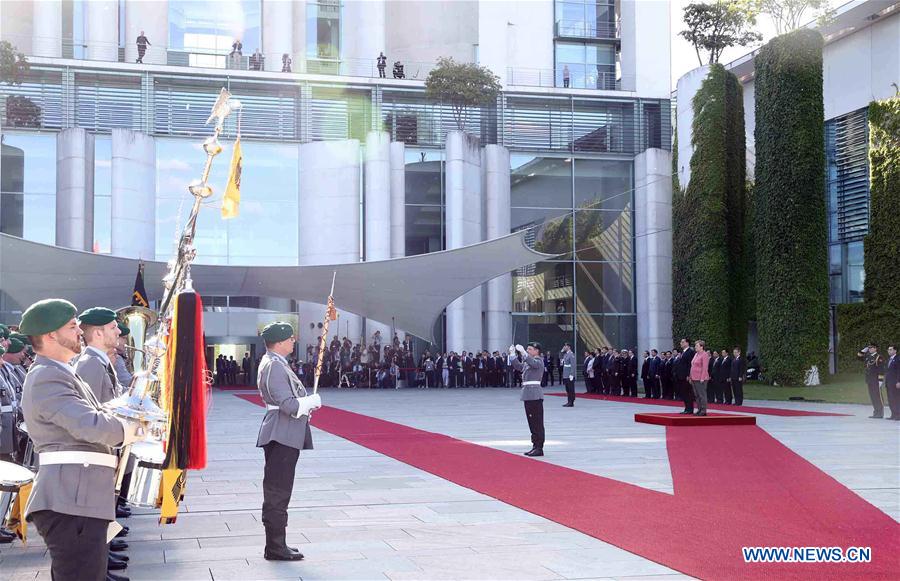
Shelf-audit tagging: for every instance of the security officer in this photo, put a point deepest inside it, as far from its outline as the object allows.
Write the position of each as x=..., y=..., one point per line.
x=874, y=368
x=567, y=358
x=532, y=368
x=284, y=432
x=72, y=501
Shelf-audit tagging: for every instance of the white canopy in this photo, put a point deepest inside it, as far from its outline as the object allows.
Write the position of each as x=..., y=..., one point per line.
x=413, y=291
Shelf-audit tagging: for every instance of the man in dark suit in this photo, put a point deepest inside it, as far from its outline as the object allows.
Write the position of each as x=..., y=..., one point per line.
x=611, y=368
x=683, y=374
x=724, y=377
x=655, y=365
x=632, y=373
x=645, y=375
x=737, y=376
x=892, y=382
x=712, y=386
x=665, y=375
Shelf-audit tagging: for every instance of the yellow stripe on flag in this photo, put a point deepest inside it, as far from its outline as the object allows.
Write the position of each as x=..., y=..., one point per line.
x=232, y=199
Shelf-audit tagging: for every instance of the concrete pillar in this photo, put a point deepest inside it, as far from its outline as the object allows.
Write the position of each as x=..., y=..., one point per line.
x=464, y=227
x=151, y=16
x=378, y=208
x=299, y=36
x=498, y=307
x=75, y=189
x=329, y=222
x=277, y=31
x=653, y=248
x=133, y=194
x=645, y=65
x=398, y=199
x=361, y=49
x=101, y=30
x=688, y=85
x=46, y=35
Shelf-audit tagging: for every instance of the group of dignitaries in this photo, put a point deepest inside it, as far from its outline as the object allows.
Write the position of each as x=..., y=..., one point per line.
x=76, y=442
x=689, y=373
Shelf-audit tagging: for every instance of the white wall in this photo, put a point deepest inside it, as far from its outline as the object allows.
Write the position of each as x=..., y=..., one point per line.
x=364, y=32
x=151, y=16
x=860, y=67
x=516, y=35
x=646, y=47
x=420, y=31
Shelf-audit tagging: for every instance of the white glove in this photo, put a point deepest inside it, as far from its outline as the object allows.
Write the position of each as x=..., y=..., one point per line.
x=571, y=378
x=134, y=432
x=512, y=351
x=521, y=350
x=307, y=404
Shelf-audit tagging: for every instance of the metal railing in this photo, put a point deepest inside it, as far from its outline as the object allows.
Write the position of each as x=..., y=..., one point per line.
x=579, y=78
x=587, y=29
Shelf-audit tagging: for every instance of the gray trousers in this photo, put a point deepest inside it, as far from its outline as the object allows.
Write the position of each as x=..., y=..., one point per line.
x=700, y=394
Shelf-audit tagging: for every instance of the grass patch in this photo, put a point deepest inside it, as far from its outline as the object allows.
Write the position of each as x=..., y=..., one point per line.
x=841, y=388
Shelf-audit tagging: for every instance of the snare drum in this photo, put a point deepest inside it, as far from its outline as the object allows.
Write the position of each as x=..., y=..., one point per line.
x=12, y=478
x=147, y=475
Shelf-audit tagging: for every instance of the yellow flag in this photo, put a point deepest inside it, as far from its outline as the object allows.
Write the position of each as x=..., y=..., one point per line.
x=232, y=199
x=16, y=522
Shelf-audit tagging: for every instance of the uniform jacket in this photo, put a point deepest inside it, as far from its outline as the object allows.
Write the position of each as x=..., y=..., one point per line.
x=63, y=414
x=655, y=367
x=96, y=370
x=532, y=369
x=279, y=386
x=645, y=369
x=568, y=363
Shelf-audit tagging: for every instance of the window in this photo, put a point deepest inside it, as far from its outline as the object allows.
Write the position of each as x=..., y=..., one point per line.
x=323, y=29
x=586, y=19
x=28, y=186
x=540, y=182
x=424, y=201
x=207, y=28
x=102, y=195
x=590, y=66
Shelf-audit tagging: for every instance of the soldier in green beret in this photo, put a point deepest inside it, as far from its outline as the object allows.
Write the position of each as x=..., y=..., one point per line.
x=120, y=357
x=72, y=501
x=101, y=335
x=12, y=367
x=284, y=432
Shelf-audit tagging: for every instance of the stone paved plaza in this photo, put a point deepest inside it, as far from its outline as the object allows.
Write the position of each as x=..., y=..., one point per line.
x=357, y=514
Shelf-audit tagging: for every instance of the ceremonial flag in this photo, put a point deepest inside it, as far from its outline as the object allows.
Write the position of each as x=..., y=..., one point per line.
x=139, y=296
x=232, y=199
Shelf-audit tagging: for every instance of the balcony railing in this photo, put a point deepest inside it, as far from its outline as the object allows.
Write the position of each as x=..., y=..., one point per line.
x=578, y=79
x=586, y=29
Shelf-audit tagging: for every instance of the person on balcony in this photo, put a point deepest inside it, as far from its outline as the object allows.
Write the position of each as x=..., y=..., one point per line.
x=382, y=63
x=286, y=63
x=142, y=43
x=566, y=76
x=236, y=48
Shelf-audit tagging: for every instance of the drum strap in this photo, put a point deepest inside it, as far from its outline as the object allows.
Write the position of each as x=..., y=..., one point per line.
x=78, y=457
x=6, y=408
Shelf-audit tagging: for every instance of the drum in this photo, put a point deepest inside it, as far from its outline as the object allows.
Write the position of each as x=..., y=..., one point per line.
x=12, y=478
x=29, y=457
x=147, y=475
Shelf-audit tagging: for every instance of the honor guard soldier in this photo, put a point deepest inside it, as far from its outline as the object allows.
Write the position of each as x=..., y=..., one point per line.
x=101, y=335
x=72, y=501
x=532, y=368
x=567, y=360
x=284, y=432
x=874, y=369
x=120, y=363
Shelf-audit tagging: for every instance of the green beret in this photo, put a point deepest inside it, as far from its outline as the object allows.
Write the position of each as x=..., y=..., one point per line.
x=277, y=331
x=46, y=316
x=4, y=331
x=2, y=350
x=98, y=316
x=15, y=346
x=123, y=330
x=20, y=337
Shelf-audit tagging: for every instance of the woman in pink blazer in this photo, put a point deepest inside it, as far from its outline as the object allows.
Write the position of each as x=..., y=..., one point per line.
x=700, y=375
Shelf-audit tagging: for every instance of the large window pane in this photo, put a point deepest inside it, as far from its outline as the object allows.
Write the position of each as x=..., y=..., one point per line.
x=602, y=184
x=424, y=229
x=550, y=231
x=424, y=176
x=540, y=182
x=28, y=186
x=544, y=287
x=551, y=331
x=604, y=235
x=211, y=26
x=323, y=29
x=102, y=195
x=605, y=287
x=619, y=331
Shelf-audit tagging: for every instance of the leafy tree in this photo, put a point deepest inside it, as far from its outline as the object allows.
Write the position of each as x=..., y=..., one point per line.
x=13, y=64
x=789, y=15
x=462, y=86
x=713, y=27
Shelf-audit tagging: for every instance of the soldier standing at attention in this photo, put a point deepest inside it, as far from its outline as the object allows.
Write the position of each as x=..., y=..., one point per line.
x=284, y=432
x=101, y=335
x=72, y=501
x=874, y=368
x=567, y=360
x=532, y=368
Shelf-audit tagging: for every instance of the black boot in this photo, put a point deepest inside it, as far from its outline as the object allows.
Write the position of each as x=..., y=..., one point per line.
x=535, y=452
x=276, y=547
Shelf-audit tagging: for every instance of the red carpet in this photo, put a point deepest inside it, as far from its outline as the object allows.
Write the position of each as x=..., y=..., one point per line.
x=713, y=406
x=712, y=419
x=235, y=387
x=734, y=486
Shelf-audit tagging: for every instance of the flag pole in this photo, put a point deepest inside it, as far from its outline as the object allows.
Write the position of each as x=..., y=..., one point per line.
x=330, y=315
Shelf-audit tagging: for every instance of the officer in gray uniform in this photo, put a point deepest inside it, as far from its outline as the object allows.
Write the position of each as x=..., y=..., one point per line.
x=120, y=364
x=8, y=406
x=101, y=334
x=567, y=360
x=284, y=432
x=72, y=501
x=532, y=368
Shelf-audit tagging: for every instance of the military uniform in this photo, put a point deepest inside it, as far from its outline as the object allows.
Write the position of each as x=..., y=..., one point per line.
x=95, y=368
x=283, y=433
x=532, y=369
x=874, y=369
x=567, y=359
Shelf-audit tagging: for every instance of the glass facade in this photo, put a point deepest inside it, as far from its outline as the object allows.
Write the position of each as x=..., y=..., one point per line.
x=28, y=188
x=847, y=196
x=585, y=18
x=323, y=29
x=206, y=29
x=102, y=195
x=580, y=209
x=589, y=66
x=424, y=201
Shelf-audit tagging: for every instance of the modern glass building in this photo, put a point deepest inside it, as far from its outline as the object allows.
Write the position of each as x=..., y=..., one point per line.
x=137, y=130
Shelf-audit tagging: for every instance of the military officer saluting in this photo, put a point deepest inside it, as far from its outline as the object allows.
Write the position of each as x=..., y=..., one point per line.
x=532, y=368
x=284, y=432
x=72, y=501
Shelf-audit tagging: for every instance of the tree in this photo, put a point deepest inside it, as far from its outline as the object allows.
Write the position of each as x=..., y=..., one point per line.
x=13, y=64
x=788, y=15
x=462, y=86
x=713, y=27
